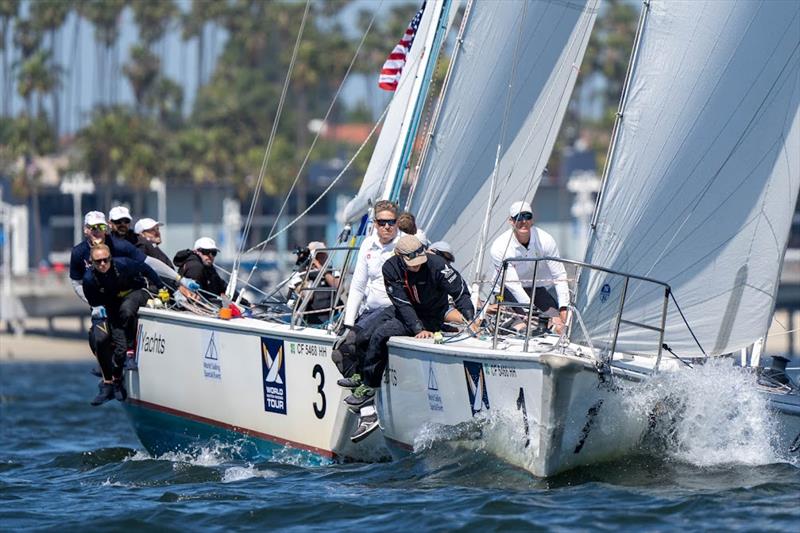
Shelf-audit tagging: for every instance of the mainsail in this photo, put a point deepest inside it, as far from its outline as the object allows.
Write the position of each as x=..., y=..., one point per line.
x=704, y=178
x=386, y=156
x=509, y=85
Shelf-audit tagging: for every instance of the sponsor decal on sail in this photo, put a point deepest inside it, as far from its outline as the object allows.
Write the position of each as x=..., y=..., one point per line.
x=273, y=367
x=476, y=386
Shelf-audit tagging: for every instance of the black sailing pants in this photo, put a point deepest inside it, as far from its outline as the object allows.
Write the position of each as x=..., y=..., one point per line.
x=377, y=353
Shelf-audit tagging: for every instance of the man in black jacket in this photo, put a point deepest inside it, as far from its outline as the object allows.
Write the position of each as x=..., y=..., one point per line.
x=117, y=284
x=198, y=264
x=418, y=285
x=149, y=232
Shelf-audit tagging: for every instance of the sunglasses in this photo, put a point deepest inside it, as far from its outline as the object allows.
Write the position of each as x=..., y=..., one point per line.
x=212, y=253
x=386, y=221
x=523, y=216
x=122, y=221
x=98, y=227
x=416, y=253
x=101, y=260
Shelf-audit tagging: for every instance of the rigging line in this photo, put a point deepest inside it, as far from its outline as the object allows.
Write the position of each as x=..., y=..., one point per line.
x=678, y=307
x=318, y=134
x=783, y=332
x=327, y=189
x=268, y=151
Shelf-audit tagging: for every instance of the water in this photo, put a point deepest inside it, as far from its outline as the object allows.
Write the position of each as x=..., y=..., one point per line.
x=68, y=466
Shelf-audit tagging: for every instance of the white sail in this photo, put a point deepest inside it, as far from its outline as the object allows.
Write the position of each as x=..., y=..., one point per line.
x=536, y=47
x=386, y=156
x=704, y=177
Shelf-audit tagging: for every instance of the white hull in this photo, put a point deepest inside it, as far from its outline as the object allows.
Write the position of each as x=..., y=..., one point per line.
x=201, y=378
x=543, y=411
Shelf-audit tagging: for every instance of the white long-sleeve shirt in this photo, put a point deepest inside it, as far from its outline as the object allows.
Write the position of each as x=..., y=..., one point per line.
x=367, y=288
x=519, y=275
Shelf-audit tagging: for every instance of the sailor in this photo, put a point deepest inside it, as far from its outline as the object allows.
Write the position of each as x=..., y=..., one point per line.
x=119, y=219
x=407, y=224
x=116, y=284
x=418, y=285
x=198, y=264
x=443, y=250
x=310, y=261
x=95, y=230
x=149, y=239
x=367, y=296
x=522, y=239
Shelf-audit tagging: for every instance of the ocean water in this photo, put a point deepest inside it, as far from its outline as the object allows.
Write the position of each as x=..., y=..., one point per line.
x=66, y=466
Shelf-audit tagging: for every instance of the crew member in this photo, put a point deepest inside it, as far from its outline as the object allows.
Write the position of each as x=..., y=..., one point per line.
x=367, y=296
x=443, y=250
x=198, y=264
x=117, y=285
x=407, y=224
x=149, y=232
x=418, y=284
x=522, y=239
x=119, y=219
x=310, y=261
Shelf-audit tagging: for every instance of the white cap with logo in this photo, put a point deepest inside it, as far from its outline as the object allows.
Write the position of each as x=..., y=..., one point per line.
x=519, y=207
x=205, y=243
x=118, y=213
x=94, y=217
x=146, y=224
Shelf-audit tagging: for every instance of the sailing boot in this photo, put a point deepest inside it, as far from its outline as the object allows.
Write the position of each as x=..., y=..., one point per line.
x=104, y=394
x=362, y=395
x=119, y=391
x=350, y=383
x=367, y=423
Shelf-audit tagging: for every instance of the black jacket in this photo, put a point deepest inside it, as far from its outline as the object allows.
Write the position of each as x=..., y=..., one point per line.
x=151, y=249
x=421, y=297
x=191, y=266
x=110, y=288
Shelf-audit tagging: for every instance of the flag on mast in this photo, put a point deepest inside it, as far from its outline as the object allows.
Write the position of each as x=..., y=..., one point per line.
x=393, y=67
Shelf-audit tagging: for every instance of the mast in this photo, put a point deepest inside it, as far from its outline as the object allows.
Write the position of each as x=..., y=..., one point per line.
x=400, y=161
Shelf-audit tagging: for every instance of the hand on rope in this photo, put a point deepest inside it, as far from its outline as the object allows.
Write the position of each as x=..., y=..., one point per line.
x=190, y=284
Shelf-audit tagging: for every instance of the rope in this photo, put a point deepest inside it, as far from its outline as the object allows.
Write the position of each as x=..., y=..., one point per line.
x=683, y=317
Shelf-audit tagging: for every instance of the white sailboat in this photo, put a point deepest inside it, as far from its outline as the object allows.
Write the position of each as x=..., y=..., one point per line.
x=265, y=386
x=688, y=240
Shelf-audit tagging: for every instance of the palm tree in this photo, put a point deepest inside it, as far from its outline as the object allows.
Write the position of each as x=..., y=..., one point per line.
x=8, y=12
x=142, y=72
x=48, y=17
x=104, y=15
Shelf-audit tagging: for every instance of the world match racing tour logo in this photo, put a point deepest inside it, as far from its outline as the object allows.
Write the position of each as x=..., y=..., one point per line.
x=476, y=386
x=273, y=368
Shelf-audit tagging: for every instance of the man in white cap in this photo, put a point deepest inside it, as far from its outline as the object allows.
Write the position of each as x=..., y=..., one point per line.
x=149, y=232
x=310, y=261
x=522, y=239
x=119, y=219
x=418, y=285
x=198, y=264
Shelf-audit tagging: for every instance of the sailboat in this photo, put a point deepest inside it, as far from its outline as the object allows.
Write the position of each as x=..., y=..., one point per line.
x=687, y=242
x=262, y=386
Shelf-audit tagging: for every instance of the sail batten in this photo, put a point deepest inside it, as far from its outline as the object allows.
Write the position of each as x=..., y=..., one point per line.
x=704, y=180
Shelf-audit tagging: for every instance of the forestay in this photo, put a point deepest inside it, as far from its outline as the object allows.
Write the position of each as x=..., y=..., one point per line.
x=704, y=179
x=386, y=156
x=509, y=85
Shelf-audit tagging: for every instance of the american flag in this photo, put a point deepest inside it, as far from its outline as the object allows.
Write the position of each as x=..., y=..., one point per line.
x=393, y=67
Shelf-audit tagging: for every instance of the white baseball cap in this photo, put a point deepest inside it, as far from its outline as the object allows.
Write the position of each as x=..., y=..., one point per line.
x=316, y=245
x=119, y=212
x=519, y=207
x=146, y=224
x=94, y=217
x=205, y=243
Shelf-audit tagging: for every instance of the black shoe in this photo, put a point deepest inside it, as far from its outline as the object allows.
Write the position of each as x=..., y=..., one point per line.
x=105, y=393
x=350, y=383
x=96, y=372
x=366, y=425
x=119, y=391
x=362, y=396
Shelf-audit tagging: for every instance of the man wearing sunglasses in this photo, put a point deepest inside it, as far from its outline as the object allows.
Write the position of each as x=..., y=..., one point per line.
x=198, y=264
x=418, y=285
x=367, y=296
x=149, y=239
x=117, y=284
x=119, y=219
x=522, y=239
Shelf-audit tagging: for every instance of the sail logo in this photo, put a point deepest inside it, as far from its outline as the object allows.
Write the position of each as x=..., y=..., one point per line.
x=476, y=386
x=434, y=398
x=273, y=369
x=211, y=367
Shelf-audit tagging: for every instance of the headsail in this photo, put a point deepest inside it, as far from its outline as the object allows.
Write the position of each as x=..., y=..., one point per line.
x=536, y=47
x=385, y=157
x=704, y=177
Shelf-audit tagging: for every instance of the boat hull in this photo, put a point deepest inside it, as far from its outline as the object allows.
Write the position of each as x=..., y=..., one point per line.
x=265, y=388
x=544, y=412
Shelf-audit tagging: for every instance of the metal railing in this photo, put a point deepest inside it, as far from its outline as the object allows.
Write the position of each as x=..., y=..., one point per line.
x=618, y=320
x=307, y=291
